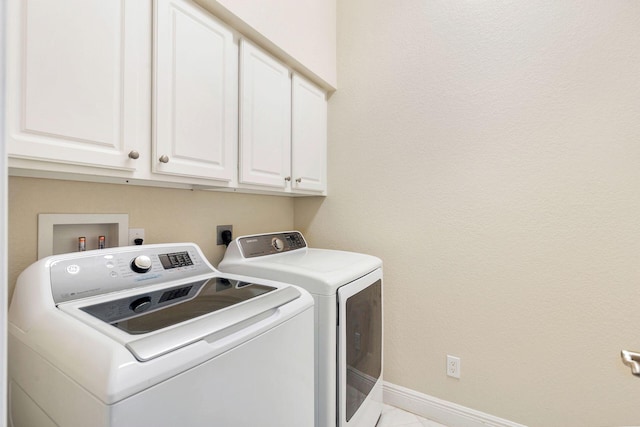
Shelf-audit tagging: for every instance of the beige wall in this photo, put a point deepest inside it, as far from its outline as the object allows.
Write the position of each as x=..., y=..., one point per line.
x=489, y=153
x=166, y=215
x=305, y=31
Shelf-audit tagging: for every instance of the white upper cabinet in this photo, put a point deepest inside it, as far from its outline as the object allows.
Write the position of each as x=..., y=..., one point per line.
x=158, y=92
x=265, y=119
x=308, y=136
x=196, y=93
x=283, y=126
x=78, y=72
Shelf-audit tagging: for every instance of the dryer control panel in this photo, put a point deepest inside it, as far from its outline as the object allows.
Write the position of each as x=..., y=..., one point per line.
x=269, y=244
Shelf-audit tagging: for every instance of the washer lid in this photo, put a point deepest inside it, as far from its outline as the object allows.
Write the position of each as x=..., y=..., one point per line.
x=212, y=327
x=159, y=309
x=209, y=309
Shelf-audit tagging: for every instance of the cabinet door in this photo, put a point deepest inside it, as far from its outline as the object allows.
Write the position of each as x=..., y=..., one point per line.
x=78, y=71
x=308, y=136
x=196, y=92
x=265, y=119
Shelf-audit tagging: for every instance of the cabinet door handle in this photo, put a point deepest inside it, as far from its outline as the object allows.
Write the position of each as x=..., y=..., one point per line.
x=133, y=154
x=164, y=159
x=287, y=178
x=632, y=360
x=298, y=180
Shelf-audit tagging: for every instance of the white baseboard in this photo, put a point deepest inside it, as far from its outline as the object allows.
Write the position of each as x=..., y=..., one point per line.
x=442, y=411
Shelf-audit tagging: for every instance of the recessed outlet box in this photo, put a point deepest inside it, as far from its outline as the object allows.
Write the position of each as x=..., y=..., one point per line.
x=59, y=233
x=135, y=234
x=219, y=230
x=453, y=366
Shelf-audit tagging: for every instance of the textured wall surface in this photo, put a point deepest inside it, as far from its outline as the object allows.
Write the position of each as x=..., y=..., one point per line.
x=304, y=29
x=489, y=153
x=167, y=215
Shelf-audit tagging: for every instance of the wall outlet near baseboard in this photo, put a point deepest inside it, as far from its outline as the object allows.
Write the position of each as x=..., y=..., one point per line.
x=453, y=366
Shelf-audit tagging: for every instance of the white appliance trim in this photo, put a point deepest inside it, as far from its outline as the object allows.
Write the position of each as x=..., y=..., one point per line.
x=442, y=411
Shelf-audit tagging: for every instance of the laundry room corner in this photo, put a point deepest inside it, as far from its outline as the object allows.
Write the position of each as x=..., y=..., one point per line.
x=488, y=153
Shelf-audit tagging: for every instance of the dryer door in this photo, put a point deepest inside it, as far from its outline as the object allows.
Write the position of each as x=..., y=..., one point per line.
x=360, y=351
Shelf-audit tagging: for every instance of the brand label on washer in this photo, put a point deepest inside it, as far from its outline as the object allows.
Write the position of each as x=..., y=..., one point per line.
x=73, y=269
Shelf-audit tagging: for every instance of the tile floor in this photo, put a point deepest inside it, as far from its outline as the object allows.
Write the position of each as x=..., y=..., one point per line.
x=394, y=417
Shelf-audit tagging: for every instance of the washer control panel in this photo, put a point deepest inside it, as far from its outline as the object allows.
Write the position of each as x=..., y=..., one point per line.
x=97, y=272
x=269, y=244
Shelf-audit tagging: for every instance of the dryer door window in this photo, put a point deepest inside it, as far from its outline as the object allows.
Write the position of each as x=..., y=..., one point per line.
x=360, y=344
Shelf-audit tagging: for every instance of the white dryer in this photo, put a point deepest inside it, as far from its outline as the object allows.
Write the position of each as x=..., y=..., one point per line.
x=347, y=291
x=154, y=335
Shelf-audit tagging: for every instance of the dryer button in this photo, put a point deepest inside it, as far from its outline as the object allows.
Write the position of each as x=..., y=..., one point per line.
x=277, y=244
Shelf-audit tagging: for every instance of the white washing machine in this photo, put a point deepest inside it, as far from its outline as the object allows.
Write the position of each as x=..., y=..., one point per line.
x=154, y=335
x=347, y=291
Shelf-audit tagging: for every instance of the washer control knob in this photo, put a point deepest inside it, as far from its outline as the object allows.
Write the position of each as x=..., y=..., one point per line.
x=141, y=264
x=140, y=305
x=277, y=244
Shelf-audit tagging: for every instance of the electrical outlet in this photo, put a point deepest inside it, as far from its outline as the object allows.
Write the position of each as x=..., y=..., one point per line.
x=453, y=366
x=219, y=230
x=134, y=234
